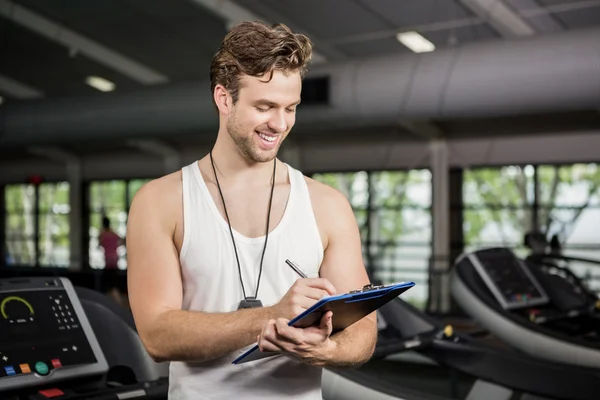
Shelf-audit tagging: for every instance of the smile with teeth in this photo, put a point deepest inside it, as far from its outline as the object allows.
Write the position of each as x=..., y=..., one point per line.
x=267, y=138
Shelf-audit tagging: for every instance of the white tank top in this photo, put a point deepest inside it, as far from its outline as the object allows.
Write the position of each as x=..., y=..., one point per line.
x=211, y=283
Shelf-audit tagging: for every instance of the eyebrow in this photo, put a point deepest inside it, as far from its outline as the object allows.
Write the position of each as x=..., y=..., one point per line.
x=273, y=104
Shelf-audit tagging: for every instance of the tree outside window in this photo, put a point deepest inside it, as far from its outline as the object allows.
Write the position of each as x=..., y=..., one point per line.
x=393, y=213
x=498, y=207
x=54, y=224
x=20, y=225
x=37, y=224
x=502, y=204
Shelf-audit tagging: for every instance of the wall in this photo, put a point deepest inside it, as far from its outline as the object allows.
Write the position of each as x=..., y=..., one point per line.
x=340, y=155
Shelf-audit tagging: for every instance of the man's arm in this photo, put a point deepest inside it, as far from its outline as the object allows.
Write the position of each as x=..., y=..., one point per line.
x=155, y=287
x=343, y=266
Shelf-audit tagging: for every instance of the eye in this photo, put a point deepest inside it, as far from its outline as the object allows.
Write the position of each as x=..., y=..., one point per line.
x=262, y=109
x=291, y=110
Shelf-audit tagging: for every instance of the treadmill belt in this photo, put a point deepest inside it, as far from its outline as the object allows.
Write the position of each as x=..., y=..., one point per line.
x=398, y=378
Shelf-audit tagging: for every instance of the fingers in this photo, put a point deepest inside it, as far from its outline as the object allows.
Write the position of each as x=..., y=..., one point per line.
x=303, y=301
x=267, y=338
x=303, y=294
x=277, y=335
x=313, y=288
x=305, y=344
x=267, y=346
x=320, y=283
x=288, y=333
x=327, y=323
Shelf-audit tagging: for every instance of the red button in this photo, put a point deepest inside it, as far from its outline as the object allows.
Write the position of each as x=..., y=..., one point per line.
x=51, y=393
x=56, y=363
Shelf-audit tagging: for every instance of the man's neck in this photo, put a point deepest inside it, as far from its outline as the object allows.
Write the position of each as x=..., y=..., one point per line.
x=233, y=166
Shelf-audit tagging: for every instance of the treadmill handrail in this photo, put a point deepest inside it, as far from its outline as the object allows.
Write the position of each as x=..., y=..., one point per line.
x=564, y=258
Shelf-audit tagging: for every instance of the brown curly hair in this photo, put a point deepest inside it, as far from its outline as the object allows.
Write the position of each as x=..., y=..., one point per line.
x=255, y=49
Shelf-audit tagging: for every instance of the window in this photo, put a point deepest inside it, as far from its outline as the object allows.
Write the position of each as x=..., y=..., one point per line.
x=20, y=224
x=400, y=226
x=498, y=207
x=53, y=223
x=393, y=212
x=107, y=199
x=501, y=205
x=37, y=224
x=570, y=209
x=110, y=199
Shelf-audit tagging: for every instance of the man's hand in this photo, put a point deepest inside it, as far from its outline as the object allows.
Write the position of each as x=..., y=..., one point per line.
x=303, y=294
x=310, y=345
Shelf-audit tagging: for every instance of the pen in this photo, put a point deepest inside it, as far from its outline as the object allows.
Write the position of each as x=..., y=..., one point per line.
x=296, y=268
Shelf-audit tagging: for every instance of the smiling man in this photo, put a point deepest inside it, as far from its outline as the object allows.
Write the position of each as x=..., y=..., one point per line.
x=207, y=245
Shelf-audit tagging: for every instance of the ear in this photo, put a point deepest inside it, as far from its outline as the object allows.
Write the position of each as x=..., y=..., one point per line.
x=223, y=99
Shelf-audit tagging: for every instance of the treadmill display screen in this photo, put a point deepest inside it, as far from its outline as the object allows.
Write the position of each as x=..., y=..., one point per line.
x=40, y=332
x=509, y=280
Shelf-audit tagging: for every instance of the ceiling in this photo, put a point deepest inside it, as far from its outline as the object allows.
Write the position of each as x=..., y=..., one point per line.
x=49, y=47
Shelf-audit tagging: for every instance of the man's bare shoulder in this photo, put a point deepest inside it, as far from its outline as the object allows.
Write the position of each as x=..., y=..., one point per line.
x=326, y=200
x=332, y=210
x=162, y=195
x=321, y=192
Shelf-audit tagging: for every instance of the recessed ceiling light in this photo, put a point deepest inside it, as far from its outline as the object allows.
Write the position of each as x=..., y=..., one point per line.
x=100, y=83
x=415, y=42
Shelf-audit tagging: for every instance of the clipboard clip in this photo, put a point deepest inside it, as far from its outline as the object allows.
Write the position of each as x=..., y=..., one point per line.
x=367, y=288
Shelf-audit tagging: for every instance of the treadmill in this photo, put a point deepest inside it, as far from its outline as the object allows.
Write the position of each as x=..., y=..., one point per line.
x=540, y=311
x=49, y=348
x=476, y=367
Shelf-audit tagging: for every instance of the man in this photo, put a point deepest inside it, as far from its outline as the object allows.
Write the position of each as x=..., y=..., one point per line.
x=207, y=245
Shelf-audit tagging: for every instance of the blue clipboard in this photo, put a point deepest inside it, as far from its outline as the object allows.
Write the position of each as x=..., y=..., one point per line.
x=347, y=309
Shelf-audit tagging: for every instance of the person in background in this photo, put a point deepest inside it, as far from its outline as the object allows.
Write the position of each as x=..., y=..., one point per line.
x=536, y=242
x=110, y=241
x=555, y=245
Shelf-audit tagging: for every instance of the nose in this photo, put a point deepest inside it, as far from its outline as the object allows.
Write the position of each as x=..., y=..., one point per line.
x=277, y=122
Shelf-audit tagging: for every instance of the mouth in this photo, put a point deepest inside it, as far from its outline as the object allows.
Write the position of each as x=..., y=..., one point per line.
x=268, y=140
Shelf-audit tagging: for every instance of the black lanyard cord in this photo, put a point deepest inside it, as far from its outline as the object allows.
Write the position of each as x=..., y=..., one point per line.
x=231, y=230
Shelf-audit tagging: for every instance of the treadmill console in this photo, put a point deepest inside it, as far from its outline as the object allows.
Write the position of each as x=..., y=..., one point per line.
x=508, y=278
x=44, y=334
